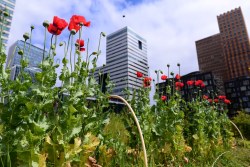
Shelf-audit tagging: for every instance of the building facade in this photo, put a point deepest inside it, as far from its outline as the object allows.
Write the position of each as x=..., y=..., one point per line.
x=226, y=54
x=238, y=91
x=8, y=6
x=126, y=53
x=34, y=55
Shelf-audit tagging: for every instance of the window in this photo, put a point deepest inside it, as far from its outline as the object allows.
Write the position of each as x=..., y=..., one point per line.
x=140, y=45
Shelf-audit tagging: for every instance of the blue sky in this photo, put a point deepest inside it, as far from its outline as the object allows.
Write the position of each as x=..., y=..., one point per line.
x=171, y=27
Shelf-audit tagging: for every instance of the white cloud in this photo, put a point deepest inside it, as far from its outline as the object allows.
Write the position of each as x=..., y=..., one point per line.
x=170, y=27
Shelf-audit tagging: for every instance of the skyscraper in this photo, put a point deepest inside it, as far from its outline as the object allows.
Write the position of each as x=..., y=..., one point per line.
x=226, y=54
x=235, y=43
x=126, y=53
x=34, y=54
x=8, y=6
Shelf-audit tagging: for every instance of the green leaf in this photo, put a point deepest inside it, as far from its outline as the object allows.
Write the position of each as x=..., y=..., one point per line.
x=72, y=109
x=195, y=136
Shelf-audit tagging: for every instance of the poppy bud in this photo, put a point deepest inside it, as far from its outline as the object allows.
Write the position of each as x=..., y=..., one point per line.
x=26, y=36
x=32, y=27
x=172, y=73
x=78, y=52
x=46, y=23
x=73, y=31
x=53, y=47
x=54, y=53
x=168, y=65
x=178, y=64
x=6, y=14
x=103, y=34
x=20, y=52
x=94, y=53
x=61, y=44
x=156, y=71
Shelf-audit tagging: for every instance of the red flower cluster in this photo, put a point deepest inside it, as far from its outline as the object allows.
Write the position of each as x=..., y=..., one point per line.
x=147, y=82
x=76, y=22
x=220, y=98
x=190, y=83
x=164, y=77
x=199, y=83
x=57, y=26
x=139, y=74
x=80, y=42
x=178, y=85
x=163, y=98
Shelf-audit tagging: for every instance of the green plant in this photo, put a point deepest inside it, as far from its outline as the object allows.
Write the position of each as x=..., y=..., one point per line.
x=242, y=120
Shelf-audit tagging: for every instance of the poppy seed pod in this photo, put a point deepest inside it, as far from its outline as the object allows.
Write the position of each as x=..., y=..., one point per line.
x=32, y=27
x=94, y=53
x=6, y=14
x=26, y=36
x=168, y=65
x=178, y=64
x=73, y=31
x=61, y=44
x=46, y=23
x=103, y=34
x=172, y=73
x=20, y=52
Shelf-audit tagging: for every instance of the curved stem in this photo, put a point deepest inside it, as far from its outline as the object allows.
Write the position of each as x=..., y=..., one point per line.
x=219, y=157
x=238, y=131
x=138, y=126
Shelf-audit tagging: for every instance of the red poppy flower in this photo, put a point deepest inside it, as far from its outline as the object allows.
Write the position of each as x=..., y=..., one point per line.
x=178, y=77
x=226, y=101
x=199, y=83
x=147, y=81
x=205, y=97
x=216, y=100
x=202, y=85
x=76, y=21
x=164, y=77
x=80, y=42
x=57, y=26
x=222, y=97
x=190, y=83
x=163, y=98
x=139, y=74
x=210, y=100
x=178, y=85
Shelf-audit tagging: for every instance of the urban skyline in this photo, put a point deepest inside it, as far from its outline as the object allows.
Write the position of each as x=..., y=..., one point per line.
x=170, y=35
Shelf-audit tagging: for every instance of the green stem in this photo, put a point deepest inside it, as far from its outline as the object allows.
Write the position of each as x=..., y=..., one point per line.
x=65, y=53
x=44, y=43
x=51, y=41
x=30, y=43
x=71, y=68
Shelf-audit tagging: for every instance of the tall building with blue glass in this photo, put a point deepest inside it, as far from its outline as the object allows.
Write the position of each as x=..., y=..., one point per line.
x=33, y=54
x=126, y=53
x=8, y=6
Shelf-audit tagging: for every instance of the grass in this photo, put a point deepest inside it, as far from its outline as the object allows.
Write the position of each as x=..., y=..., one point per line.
x=237, y=157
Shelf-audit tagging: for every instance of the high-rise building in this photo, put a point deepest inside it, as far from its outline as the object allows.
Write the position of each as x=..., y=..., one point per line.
x=7, y=6
x=211, y=59
x=32, y=53
x=235, y=43
x=126, y=53
x=226, y=54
